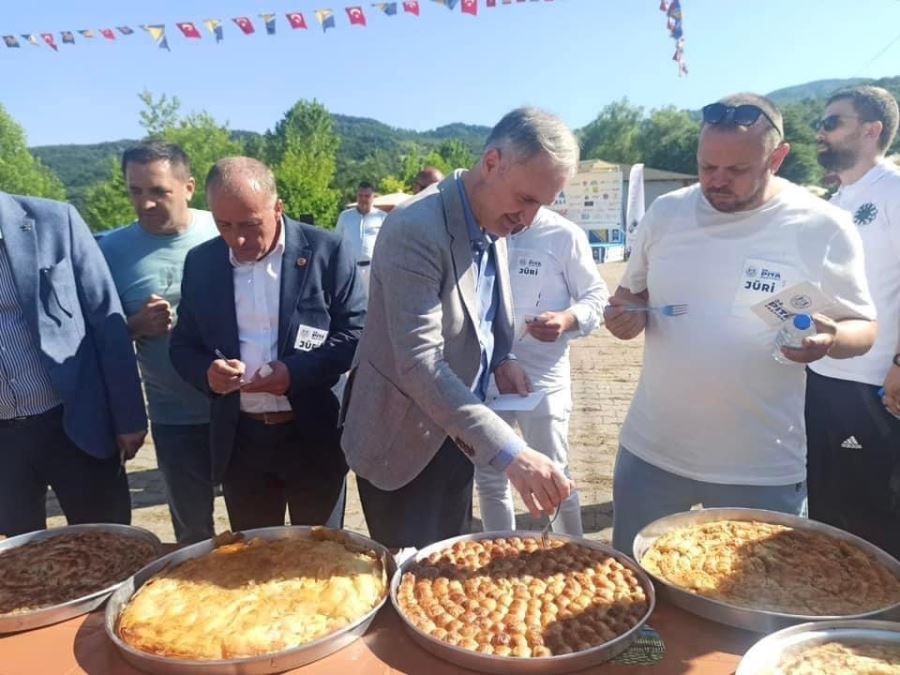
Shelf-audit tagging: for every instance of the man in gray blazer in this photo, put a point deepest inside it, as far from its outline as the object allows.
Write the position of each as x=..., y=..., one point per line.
x=440, y=322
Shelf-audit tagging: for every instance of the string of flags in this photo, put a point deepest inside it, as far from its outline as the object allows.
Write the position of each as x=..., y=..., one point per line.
x=326, y=19
x=674, y=17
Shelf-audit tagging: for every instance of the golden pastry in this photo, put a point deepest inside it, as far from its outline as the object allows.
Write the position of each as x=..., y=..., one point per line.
x=836, y=658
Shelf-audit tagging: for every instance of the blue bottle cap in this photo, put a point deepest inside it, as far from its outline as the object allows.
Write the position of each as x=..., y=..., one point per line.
x=802, y=321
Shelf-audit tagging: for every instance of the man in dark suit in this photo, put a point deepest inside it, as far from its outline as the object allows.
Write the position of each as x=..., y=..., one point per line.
x=71, y=409
x=269, y=318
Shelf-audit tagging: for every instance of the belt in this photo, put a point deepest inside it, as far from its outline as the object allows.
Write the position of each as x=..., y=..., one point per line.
x=363, y=263
x=282, y=417
x=28, y=420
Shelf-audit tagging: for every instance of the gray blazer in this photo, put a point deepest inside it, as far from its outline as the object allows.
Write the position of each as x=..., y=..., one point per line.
x=419, y=353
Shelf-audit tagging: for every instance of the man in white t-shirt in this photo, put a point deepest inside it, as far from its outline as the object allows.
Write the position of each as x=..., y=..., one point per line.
x=854, y=435
x=359, y=228
x=716, y=420
x=558, y=295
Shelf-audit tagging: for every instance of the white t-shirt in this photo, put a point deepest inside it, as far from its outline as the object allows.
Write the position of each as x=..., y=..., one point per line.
x=712, y=404
x=874, y=203
x=360, y=231
x=551, y=269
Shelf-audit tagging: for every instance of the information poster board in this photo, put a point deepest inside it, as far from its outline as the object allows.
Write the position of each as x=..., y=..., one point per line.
x=593, y=200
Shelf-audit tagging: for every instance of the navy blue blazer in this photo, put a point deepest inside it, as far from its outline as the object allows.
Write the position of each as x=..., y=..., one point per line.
x=73, y=310
x=319, y=288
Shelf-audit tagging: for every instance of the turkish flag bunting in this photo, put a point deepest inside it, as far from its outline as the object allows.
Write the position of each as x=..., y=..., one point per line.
x=357, y=18
x=50, y=40
x=411, y=7
x=244, y=24
x=108, y=33
x=189, y=30
x=296, y=20
x=470, y=7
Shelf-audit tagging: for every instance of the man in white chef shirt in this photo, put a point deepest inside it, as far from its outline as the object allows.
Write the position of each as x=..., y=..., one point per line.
x=715, y=419
x=854, y=434
x=558, y=295
x=359, y=227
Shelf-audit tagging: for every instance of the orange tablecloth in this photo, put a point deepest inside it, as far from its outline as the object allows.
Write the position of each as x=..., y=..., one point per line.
x=693, y=645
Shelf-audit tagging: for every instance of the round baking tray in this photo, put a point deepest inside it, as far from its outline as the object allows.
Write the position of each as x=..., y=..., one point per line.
x=767, y=654
x=489, y=663
x=275, y=662
x=758, y=620
x=45, y=616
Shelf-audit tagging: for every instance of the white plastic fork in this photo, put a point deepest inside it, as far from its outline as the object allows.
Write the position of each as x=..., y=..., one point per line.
x=667, y=310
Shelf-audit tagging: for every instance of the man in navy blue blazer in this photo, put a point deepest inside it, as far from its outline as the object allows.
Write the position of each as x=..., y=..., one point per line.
x=71, y=408
x=269, y=319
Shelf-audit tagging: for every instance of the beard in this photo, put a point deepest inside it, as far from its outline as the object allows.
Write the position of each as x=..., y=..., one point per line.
x=726, y=201
x=832, y=158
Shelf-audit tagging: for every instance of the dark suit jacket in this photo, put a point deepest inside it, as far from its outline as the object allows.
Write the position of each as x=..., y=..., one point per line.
x=72, y=308
x=322, y=292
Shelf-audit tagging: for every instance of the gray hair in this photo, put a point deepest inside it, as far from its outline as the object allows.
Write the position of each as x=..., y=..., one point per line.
x=774, y=133
x=525, y=133
x=239, y=173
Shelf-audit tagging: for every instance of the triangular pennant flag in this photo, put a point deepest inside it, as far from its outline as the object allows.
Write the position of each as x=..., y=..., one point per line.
x=214, y=26
x=411, y=7
x=31, y=39
x=87, y=33
x=357, y=18
x=326, y=18
x=491, y=3
x=296, y=20
x=269, y=20
x=449, y=4
x=470, y=7
x=125, y=30
x=10, y=41
x=158, y=33
x=389, y=8
x=244, y=24
x=188, y=29
x=108, y=33
x=68, y=37
x=50, y=40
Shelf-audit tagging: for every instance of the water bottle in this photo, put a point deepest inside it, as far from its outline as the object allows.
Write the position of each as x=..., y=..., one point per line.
x=792, y=332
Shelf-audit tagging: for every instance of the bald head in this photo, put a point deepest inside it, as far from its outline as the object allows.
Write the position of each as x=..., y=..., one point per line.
x=427, y=176
x=239, y=175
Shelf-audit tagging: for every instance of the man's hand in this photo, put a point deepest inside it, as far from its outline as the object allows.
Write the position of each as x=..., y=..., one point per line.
x=891, y=399
x=621, y=323
x=272, y=378
x=153, y=319
x=511, y=378
x=816, y=346
x=549, y=326
x=224, y=376
x=129, y=444
x=540, y=482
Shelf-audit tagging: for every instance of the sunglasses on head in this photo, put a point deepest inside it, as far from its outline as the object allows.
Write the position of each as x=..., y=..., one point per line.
x=831, y=122
x=745, y=115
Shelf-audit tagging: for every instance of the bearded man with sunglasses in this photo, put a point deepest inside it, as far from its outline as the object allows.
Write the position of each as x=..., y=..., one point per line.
x=854, y=433
x=715, y=419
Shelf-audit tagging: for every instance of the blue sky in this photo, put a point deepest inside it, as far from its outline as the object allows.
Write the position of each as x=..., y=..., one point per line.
x=570, y=56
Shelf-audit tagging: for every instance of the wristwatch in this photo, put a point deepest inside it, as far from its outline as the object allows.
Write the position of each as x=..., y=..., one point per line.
x=897, y=360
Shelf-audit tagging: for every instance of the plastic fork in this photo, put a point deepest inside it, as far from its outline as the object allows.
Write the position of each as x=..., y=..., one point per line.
x=667, y=310
x=545, y=533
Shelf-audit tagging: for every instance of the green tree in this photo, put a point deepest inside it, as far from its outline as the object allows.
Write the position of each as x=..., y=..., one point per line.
x=158, y=115
x=668, y=140
x=20, y=172
x=613, y=135
x=302, y=151
x=455, y=155
x=801, y=165
x=107, y=203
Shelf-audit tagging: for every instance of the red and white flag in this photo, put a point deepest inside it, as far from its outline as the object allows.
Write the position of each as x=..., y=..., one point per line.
x=470, y=7
x=296, y=20
x=411, y=7
x=189, y=30
x=108, y=33
x=357, y=18
x=244, y=24
x=50, y=40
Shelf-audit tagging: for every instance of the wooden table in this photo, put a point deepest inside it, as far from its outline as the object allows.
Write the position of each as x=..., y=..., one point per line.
x=693, y=646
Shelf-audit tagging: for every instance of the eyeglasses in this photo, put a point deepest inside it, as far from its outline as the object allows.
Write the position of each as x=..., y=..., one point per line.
x=832, y=122
x=745, y=115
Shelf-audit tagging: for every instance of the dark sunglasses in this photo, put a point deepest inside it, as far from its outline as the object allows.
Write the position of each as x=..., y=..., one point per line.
x=745, y=115
x=831, y=122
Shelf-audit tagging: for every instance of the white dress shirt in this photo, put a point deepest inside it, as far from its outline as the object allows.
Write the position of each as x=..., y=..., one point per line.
x=359, y=231
x=257, y=287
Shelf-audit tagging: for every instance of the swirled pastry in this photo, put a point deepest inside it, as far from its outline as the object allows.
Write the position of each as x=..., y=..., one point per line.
x=515, y=597
x=837, y=658
x=66, y=567
x=773, y=567
x=253, y=598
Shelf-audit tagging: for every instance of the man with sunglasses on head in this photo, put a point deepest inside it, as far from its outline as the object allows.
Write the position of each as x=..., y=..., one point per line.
x=854, y=433
x=715, y=419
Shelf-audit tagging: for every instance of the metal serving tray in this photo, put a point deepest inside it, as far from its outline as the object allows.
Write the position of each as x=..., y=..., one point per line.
x=489, y=663
x=275, y=662
x=45, y=616
x=766, y=655
x=760, y=621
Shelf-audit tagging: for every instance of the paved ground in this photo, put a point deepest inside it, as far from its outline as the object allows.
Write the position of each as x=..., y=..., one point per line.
x=604, y=375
